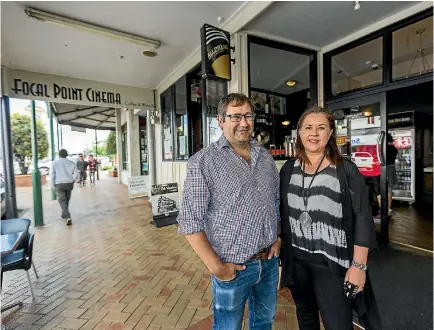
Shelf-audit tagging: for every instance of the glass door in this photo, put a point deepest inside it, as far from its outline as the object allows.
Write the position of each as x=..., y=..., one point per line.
x=361, y=128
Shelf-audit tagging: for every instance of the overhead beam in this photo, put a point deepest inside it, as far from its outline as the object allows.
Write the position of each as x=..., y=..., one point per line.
x=76, y=110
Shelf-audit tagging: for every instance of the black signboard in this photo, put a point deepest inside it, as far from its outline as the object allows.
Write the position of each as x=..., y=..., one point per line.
x=400, y=119
x=165, y=204
x=216, y=53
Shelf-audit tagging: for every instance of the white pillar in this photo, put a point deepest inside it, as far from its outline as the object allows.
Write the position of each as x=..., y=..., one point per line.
x=119, y=144
x=133, y=145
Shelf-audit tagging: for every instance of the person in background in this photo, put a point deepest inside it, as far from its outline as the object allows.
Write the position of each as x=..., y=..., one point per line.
x=229, y=215
x=62, y=179
x=392, y=179
x=92, y=165
x=327, y=230
x=81, y=167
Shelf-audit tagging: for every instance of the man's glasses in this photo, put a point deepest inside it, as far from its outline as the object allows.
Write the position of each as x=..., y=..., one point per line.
x=237, y=118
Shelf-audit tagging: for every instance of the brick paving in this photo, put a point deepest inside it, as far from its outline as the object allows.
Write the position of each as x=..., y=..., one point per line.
x=113, y=270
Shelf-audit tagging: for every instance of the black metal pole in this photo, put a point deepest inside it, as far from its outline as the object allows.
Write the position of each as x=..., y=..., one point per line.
x=8, y=162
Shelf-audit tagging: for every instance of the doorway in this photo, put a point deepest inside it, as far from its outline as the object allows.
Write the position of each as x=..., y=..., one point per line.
x=361, y=128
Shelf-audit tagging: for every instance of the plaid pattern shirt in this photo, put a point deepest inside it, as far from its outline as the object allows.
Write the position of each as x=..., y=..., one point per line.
x=92, y=165
x=236, y=205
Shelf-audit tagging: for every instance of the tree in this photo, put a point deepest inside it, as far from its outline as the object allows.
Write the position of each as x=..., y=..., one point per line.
x=22, y=139
x=111, y=143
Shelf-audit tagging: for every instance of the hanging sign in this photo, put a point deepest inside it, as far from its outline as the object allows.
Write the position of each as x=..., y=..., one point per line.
x=45, y=87
x=165, y=204
x=138, y=186
x=216, y=53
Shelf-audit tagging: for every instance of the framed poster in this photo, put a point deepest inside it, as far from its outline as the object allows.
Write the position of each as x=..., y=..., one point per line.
x=165, y=204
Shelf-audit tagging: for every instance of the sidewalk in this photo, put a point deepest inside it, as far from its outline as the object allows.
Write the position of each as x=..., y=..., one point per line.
x=112, y=270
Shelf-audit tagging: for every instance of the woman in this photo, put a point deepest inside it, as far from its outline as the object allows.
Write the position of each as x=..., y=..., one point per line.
x=327, y=230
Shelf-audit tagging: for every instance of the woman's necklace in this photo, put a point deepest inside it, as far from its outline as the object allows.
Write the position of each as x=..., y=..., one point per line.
x=305, y=219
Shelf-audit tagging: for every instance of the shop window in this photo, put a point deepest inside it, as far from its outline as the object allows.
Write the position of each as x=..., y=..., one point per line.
x=181, y=120
x=215, y=91
x=166, y=122
x=282, y=82
x=412, y=50
x=358, y=67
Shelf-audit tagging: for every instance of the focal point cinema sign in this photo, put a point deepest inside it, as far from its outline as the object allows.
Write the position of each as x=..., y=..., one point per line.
x=45, y=87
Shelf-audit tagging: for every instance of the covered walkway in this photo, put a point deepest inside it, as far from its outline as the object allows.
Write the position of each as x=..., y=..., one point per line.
x=112, y=270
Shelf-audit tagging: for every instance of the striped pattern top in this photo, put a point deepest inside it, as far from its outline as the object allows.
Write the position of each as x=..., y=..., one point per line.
x=325, y=240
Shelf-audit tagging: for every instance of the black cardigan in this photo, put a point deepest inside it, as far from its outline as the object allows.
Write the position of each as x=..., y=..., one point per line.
x=358, y=225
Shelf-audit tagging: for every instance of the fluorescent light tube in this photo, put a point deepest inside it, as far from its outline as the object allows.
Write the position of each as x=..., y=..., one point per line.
x=65, y=21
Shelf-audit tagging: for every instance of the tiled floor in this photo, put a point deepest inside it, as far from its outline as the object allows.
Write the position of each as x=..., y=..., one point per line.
x=112, y=270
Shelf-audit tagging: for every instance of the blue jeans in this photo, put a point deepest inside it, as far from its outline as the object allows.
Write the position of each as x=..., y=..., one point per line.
x=257, y=284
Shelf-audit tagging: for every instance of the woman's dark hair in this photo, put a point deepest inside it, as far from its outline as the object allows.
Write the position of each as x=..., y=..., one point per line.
x=332, y=151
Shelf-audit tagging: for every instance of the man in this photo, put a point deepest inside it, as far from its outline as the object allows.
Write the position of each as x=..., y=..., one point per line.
x=62, y=180
x=229, y=215
x=92, y=165
x=82, y=167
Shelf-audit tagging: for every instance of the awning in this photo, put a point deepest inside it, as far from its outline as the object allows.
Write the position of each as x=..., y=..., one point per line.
x=93, y=117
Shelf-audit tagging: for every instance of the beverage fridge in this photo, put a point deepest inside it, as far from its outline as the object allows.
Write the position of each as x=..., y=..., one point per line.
x=403, y=140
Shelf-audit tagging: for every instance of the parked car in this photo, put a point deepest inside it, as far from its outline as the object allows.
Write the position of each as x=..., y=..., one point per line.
x=44, y=167
x=3, y=197
x=362, y=159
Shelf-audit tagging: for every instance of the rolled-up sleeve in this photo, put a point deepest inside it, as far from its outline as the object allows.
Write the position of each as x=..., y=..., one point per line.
x=195, y=199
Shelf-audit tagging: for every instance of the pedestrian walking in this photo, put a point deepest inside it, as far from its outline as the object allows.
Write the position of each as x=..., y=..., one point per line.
x=62, y=180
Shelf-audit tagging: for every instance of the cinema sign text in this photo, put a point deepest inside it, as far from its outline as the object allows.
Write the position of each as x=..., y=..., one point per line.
x=31, y=85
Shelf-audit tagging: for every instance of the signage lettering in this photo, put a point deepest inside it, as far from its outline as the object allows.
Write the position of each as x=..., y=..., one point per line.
x=68, y=93
x=52, y=88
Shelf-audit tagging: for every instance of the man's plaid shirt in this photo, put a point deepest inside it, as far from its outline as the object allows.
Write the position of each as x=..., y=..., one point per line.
x=237, y=206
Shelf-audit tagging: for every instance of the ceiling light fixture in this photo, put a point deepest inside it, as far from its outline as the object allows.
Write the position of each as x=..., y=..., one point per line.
x=286, y=123
x=149, y=53
x=357, y=5
x=82, y=26
x=291, y=83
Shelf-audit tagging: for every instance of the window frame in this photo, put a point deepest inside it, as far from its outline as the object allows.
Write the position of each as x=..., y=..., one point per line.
x=388, y=83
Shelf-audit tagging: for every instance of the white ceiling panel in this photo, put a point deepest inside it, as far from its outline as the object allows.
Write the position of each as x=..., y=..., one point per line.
x=320, y=23
x=28, y=44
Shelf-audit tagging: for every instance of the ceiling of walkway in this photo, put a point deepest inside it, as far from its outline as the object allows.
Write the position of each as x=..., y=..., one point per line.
x=95, y=117
x=28, y=44
x=320, y=23
x=316, y=24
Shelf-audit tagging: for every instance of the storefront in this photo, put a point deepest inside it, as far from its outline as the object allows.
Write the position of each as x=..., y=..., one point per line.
x=363, y=80
x=382, y=83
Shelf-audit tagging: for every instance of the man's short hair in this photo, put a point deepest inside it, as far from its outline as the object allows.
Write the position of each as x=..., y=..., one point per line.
x=235, y=100
x=63, y=153
x=90, y=155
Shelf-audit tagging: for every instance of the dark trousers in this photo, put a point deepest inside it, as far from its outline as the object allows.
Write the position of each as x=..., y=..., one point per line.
x=82, y=177
x=63, y=192
x=92, y=177
x=317, y=288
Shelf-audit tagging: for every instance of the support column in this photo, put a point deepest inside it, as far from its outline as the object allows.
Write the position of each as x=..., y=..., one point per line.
x=61, y=137
x=58, y=137
x=50, y=116
x=119, y=143
x=133, y=144
x=96, y=155
x=8, y=162
x=36, y=175
x=151, y=150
